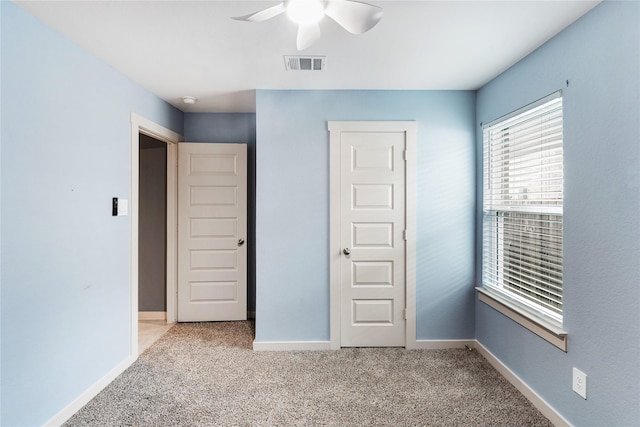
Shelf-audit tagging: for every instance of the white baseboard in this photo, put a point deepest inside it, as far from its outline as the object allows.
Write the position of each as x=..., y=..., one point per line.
x=291, y=345
x=67, y=412
x=533, y=397
x=326, y=345
x=441, y=344
x=152, y=315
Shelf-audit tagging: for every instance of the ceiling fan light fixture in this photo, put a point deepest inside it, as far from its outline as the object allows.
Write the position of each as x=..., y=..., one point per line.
x=305, y=12
x=354, y=16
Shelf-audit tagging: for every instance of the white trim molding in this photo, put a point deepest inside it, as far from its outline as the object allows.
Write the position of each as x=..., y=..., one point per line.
x=553, y=334
x=443, y=344
x=142, y=125
x=172, y=232
x=84, y=398
x=533, y=397
x=291, y=345
x=152, y=315
x=411, y=220
x=410, y=128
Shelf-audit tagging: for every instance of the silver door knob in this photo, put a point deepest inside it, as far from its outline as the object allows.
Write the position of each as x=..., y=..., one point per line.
x=346, y=251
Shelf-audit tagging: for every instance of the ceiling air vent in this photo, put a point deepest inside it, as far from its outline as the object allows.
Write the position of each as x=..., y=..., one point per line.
x=305, y=63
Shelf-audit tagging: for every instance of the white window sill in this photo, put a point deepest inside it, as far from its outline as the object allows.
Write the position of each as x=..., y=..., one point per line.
x=539, y=326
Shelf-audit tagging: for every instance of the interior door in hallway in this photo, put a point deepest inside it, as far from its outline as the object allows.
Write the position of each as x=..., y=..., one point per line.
x=212, y=228
x=372, y=235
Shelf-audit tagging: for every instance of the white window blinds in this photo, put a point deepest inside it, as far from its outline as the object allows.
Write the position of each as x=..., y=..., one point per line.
x=523, y=197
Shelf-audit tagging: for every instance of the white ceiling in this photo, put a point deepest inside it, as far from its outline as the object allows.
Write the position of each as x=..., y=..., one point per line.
x=178, y=48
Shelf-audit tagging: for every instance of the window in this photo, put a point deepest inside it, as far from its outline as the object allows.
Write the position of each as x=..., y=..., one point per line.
x=522, y=208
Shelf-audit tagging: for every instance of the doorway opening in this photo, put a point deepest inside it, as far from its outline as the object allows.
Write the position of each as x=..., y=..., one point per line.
x=152, y=241
x=142, y=128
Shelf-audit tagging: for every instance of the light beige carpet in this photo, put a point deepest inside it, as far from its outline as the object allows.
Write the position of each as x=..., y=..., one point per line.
x=206, y=374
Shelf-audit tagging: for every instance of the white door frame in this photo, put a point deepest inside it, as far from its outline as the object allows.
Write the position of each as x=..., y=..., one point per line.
x=142, y=125
x=410, y=129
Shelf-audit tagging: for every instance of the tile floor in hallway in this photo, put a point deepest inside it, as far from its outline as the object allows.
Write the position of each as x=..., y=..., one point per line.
x=149, y=331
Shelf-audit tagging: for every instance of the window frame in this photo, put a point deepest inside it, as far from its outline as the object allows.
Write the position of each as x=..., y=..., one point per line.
x=544, y=322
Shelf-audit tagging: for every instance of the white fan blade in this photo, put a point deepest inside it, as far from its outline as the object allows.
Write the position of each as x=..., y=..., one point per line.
x=354, y=16
x=263, y=15
x=307, y=35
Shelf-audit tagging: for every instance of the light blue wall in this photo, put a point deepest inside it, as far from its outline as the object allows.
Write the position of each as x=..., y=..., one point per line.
x=231, y=128
x=600, y=56
x=292, y=298
x=65, y=260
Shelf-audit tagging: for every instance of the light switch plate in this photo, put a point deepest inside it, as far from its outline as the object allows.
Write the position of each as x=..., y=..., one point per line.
x=123, y=207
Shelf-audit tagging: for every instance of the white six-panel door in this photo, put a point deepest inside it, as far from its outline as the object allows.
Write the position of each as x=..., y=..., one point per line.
x=372, y=238
x=212, y=226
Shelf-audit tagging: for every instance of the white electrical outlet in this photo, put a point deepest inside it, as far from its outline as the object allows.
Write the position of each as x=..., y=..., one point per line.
x=580, y=382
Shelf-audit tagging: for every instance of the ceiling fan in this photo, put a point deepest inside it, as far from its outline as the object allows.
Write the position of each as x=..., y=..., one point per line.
x=354, y=16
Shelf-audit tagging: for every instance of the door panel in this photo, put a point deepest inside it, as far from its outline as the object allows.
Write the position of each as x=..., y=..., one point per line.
x=372, y=215
x=374, y=235
x=372, y=273
x=372, y=312
x=212, y=224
